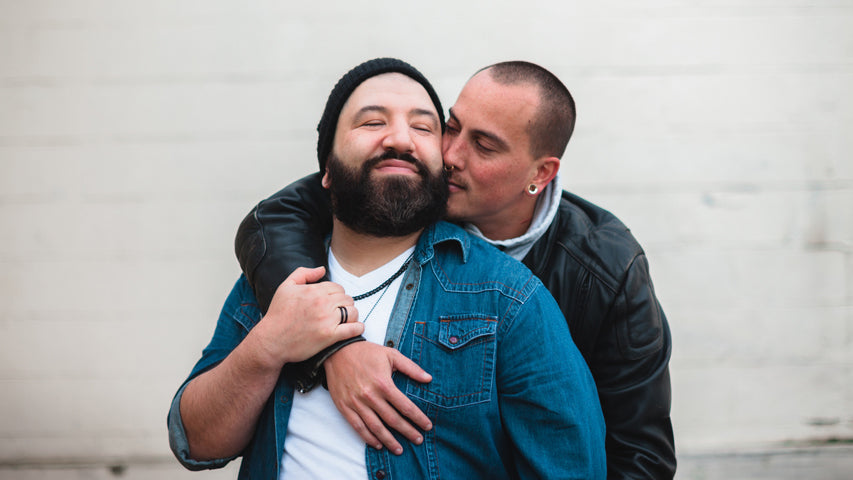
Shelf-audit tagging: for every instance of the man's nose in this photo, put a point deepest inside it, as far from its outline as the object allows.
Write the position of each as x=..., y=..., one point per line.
x=450, y=152
x=399, y=138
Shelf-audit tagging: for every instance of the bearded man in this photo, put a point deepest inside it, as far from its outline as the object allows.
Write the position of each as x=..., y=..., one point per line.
x=509, y=395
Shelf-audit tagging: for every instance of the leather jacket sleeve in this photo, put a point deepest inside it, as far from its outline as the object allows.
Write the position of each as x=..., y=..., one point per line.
x=631, y=368
x=297, y=218
x=296, y=221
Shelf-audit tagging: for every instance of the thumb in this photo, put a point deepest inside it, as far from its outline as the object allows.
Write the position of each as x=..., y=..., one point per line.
x=303, y=276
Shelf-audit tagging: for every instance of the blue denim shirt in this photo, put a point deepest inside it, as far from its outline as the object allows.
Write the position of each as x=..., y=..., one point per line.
x=511, y=397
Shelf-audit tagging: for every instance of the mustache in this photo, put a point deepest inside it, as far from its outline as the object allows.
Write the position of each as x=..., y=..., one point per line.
x=406, y=157
x=392, y=155
x=452, y=177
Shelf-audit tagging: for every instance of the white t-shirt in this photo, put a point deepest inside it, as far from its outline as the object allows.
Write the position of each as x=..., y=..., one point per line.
x=319, y=441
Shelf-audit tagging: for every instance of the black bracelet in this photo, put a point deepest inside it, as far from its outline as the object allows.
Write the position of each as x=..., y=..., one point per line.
x=308, y=374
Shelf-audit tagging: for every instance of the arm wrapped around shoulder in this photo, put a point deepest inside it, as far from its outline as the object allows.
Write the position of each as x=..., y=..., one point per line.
x=282, y=233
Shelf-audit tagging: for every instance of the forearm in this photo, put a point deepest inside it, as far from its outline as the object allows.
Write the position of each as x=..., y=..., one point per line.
x=220, y=408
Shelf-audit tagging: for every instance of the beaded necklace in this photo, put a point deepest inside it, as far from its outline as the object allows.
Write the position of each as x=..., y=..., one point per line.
x=383, y=287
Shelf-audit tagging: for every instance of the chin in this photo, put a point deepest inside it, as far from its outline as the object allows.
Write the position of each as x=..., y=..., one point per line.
x=453, y=213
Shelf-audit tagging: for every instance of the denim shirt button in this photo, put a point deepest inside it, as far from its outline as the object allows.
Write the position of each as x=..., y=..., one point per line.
x=410, y=286
x=389, y=343
x=453, y=340
x=379, y=475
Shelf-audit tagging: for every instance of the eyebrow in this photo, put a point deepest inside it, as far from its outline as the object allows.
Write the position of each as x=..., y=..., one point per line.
x=370, y=108
x=499, y=142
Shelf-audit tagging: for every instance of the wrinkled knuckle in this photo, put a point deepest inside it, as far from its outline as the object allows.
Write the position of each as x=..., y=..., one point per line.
x=386, y=388
x=366, y=393
x=407, y=410
x=400, y=425
x=375, y=425
x=361, y=429
x=347, y=399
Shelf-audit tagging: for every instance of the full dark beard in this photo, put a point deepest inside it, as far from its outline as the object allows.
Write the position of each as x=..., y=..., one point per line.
x=391, y=206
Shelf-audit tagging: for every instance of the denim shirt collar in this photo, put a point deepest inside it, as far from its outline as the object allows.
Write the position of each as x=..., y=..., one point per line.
x=441, y=232
x=433, y=235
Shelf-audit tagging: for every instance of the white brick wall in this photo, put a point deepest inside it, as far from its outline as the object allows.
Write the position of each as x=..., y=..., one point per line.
x=135, y=135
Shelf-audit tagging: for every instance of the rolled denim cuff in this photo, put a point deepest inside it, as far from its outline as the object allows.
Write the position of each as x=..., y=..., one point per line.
x=180, y=445
x=308, y=374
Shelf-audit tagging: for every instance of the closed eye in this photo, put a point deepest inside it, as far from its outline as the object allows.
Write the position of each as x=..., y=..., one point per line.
x=423, y=128
x=484, y=148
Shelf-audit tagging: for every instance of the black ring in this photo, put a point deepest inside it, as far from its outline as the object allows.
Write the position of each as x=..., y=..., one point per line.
x=344, y=315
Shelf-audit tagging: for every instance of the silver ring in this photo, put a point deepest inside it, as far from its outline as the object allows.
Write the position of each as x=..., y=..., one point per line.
x=344, y=315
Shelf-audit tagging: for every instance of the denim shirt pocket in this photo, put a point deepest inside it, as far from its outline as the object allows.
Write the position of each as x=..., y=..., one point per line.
x=459, y=352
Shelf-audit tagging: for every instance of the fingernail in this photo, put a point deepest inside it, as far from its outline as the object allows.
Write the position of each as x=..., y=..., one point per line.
x=398, y=451
x=419, y=440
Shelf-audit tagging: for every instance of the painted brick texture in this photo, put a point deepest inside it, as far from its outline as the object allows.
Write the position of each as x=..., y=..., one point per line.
x=134, y=136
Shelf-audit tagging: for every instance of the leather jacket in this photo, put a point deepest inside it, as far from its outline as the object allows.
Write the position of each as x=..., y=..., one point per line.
x=590, y=263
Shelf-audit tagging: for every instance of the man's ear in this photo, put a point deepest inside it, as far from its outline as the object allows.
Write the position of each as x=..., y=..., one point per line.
x=325, y=180
x=546, y=171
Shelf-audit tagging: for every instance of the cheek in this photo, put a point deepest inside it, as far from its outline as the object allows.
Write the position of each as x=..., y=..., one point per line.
x=494, y=181
x=432, y=153
x=433, y=161
x=363, y=143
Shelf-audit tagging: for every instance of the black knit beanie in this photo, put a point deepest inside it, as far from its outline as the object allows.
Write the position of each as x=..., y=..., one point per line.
x=349, y=82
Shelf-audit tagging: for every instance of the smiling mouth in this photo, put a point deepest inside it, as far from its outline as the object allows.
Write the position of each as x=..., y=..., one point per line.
x=395, y=172
x=396, y=166
x=394, y=162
